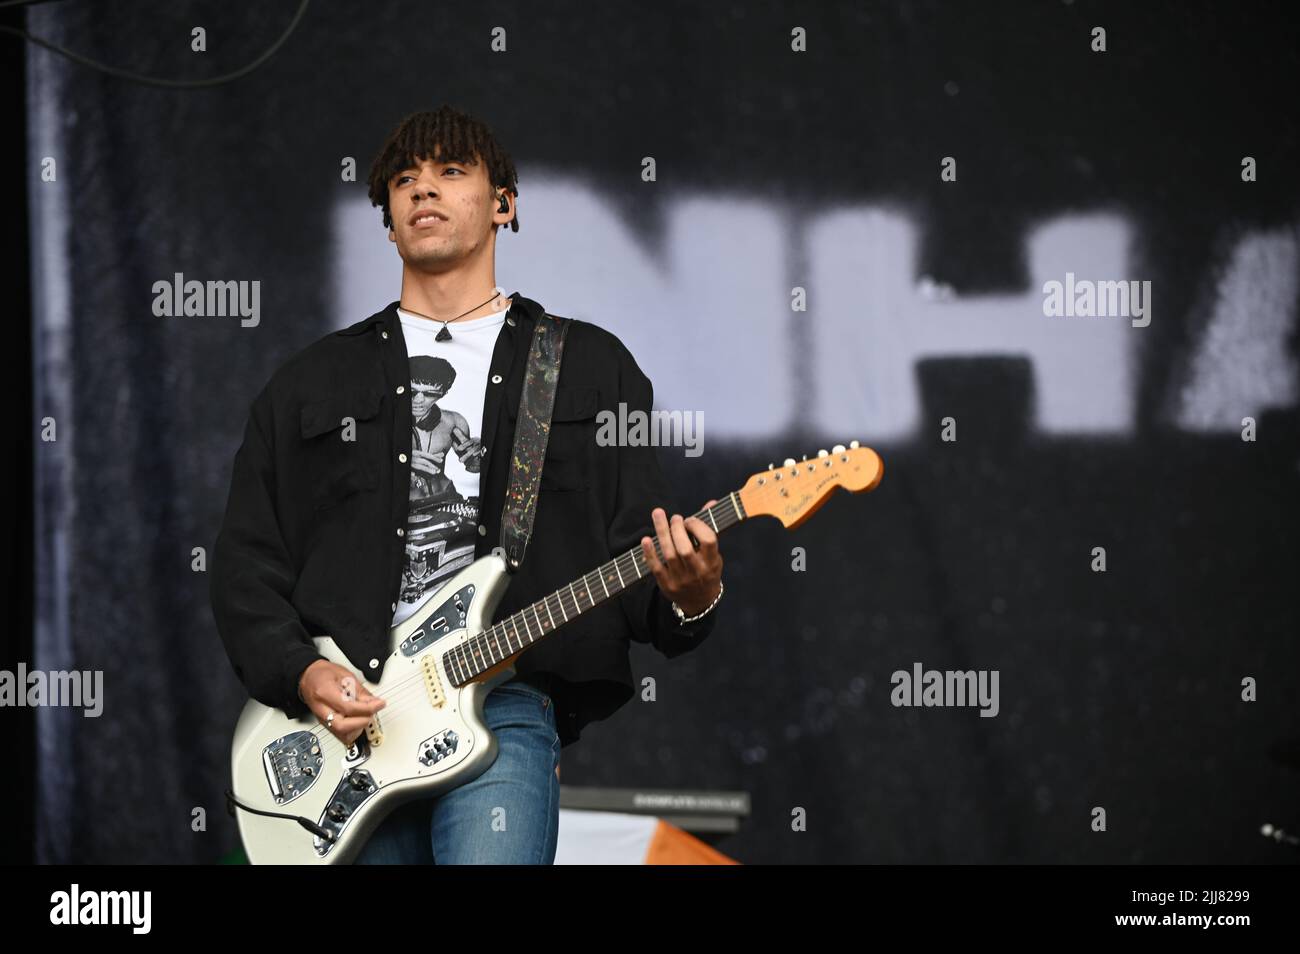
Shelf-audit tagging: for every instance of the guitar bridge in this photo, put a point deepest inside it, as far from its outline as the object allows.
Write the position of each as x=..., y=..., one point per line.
x=292, y=765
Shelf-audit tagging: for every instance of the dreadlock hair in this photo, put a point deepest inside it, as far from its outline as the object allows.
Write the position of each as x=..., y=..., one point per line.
x=443, y=135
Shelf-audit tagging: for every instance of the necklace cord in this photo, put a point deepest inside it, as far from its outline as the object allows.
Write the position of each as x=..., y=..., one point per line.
x=461, y=315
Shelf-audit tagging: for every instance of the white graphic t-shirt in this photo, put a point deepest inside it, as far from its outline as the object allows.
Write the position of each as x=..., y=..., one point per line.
x=448, y=382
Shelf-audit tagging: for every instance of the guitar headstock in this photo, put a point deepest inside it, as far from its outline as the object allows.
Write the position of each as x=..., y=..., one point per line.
x=793, y=492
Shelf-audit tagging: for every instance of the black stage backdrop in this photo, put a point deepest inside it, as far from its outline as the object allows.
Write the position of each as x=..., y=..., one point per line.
x=688, y=171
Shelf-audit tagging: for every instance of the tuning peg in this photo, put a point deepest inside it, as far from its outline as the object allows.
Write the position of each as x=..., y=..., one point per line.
x=789, y=462
x=853, y=443
x=804, y=457
x=837, y=449
x=823, y=453
x=771, y=466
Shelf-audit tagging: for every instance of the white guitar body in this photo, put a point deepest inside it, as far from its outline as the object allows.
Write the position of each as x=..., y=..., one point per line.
x=430, y=738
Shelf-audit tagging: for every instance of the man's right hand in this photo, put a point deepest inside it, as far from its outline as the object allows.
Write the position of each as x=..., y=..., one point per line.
x=328, y=687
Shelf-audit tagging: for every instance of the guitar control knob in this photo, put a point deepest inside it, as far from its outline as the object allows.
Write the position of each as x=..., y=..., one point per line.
x=837, y=449
x=789, y=462
x=823, y=453
x=337, y=811
x=357, y=780
x=853, y=443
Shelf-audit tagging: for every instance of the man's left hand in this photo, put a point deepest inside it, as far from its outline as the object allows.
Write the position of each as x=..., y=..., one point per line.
x=688, y=575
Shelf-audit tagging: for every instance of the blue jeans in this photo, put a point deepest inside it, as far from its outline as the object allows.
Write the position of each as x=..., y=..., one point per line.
x=509, y=815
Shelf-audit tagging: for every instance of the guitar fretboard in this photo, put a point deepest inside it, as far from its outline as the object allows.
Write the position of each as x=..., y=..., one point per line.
x=515, y=633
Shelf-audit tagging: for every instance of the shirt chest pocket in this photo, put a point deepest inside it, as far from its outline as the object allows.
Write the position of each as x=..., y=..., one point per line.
x=570, y=448
x=340, y=442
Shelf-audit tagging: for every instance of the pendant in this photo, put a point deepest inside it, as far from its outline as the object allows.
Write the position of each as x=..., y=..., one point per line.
x=443, y=335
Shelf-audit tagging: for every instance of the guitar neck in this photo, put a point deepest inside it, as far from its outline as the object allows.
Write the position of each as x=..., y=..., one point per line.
x=525, y=628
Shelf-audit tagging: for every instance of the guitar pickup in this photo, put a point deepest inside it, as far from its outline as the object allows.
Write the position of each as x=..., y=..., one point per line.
x=429, y=667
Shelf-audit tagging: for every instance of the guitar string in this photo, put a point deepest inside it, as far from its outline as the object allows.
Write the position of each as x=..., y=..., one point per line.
x=409, y=691
x=626, y=561
x=400, y=693
x=401, y=698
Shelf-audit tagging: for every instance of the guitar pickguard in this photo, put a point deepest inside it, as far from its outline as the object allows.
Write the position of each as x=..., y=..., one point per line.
x=443, y=618
x=352, y=790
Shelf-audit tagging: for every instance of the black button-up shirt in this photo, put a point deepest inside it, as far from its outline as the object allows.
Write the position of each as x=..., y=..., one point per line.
x=313, y=539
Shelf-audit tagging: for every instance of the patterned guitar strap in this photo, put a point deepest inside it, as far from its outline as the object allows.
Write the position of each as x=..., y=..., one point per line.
x=532, y=430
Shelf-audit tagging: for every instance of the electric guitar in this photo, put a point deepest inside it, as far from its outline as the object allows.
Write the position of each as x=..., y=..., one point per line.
x=306, y=798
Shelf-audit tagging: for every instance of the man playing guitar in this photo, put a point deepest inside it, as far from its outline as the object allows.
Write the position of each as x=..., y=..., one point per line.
x=346, y=511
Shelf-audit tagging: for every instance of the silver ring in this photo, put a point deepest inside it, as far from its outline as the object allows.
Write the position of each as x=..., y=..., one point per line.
x=329, y=720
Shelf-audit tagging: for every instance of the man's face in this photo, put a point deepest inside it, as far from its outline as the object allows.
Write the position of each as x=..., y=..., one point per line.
x=423, y=397
x=462, y=205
